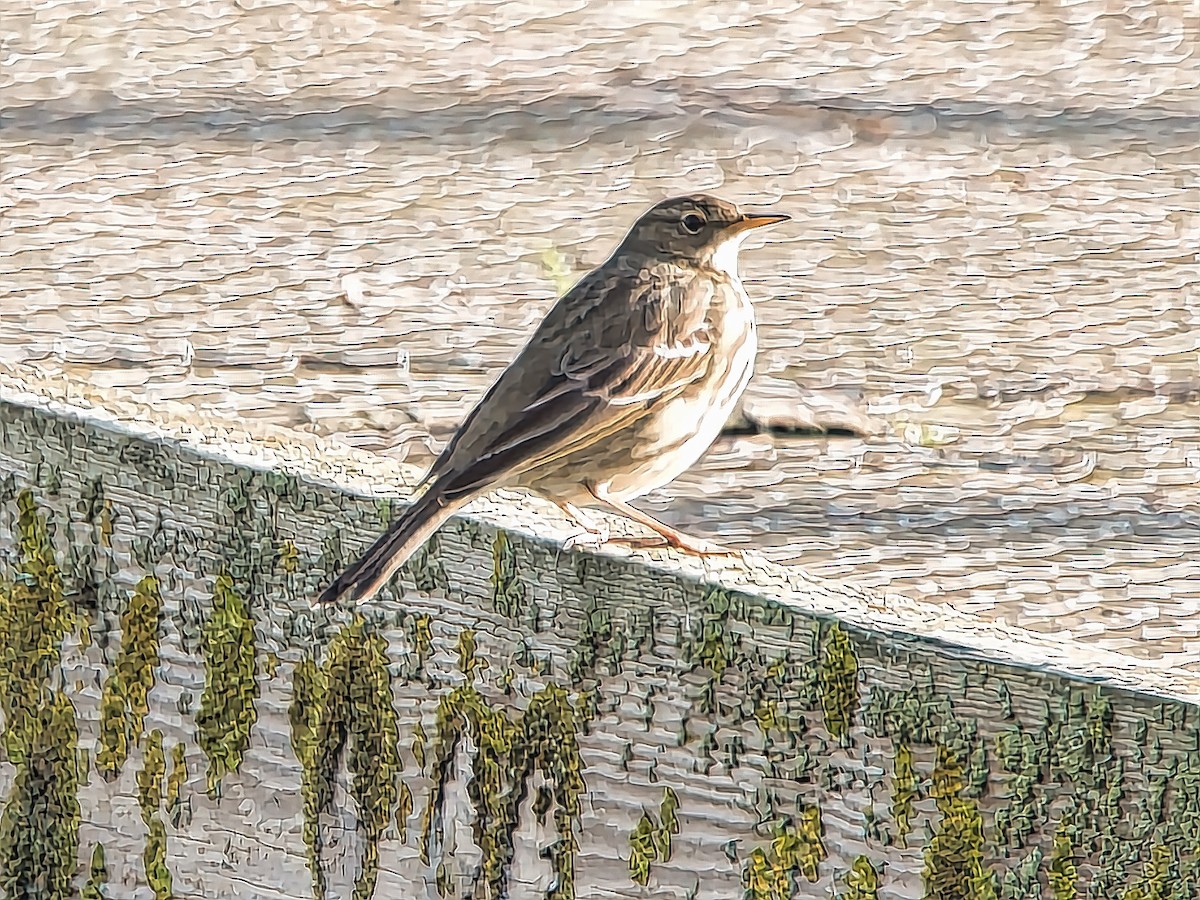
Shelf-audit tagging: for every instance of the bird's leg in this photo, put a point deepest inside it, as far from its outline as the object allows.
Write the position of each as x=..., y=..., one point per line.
x=668, y=535
x=591, y=532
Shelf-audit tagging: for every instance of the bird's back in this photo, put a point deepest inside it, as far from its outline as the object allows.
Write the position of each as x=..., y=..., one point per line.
x=625, y=337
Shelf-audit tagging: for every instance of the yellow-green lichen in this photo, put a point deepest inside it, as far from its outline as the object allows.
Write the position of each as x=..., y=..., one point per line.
x=1022, y=754
x=150, y=777
x=839, y=682
x=154, y=860
x=426, y=567
x=651, y=841
x=228, y=708
x=797, y=850
x=508, y=751
x=668, y=826
x=176, y=782
x=862, y=881
x=1156, y=879
x=125, y=700
x=508, y=591
x=34, y=619
x=556, y=267
x=404, y=810
x=904, y=789
x=349, y=705
x=288, y=556
x=711, y=645
x=98, y=510
x=304, y=715
x=94, y=887
x=1062, y=875
x=39, y=829
x=419, y=742
x=643, y=849
x=954, y=858
x=114, y=731
x=421, y=638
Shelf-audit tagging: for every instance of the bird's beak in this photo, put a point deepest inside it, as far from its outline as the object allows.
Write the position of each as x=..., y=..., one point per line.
x=759, y=220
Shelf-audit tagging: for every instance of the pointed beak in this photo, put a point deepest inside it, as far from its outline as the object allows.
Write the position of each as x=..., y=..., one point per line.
x=759, y=220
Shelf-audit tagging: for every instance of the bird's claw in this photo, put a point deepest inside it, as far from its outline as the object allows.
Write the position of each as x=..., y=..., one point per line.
x=584, y=538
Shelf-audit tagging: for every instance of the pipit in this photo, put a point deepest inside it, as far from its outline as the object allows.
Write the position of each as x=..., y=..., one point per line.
x=622, y=387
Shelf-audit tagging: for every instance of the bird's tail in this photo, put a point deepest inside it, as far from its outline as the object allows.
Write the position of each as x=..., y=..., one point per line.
x=361, y=580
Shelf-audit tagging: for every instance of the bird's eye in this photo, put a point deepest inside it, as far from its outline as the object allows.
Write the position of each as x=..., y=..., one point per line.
x=693, y=222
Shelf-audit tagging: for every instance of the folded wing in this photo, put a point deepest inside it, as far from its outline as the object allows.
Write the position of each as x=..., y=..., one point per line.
x=605, y=354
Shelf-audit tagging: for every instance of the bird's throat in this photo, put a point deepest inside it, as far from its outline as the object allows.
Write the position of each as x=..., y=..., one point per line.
x=725, y=257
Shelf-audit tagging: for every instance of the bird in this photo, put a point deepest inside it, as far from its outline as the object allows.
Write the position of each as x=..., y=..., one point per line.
x=623, y=385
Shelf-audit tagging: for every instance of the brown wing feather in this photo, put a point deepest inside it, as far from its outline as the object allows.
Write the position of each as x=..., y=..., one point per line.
x=603, y=355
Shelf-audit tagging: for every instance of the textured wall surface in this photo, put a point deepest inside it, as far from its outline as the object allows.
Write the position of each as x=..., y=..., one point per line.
x=344, y=215
x=179, y=722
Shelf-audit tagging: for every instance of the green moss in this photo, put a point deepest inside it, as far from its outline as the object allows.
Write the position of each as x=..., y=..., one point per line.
x=349, y=705
x=421, y=638
x=904, y=790
x=1063, y=875
x=419, y=742
x=595, y=635
x=125, y=700
x=98, y=510
x=34, y=619
x=150, y=777
x=508, y=751
x=39, y=829
x=114, y=730
x=797, y=850
x=176, y=782
x=426, y=567
x=838, y=682
x=304, y=714
x=668, y=823
x=469, y=662
x=94, y=887
x=711, y=645
x=1022, y=755
x=154, y=859
x=954, y=861
x=643, y=849
x=651, y=841
x=1155, y=883
x=404, y=811
x=508, y=591
x=228, y=708
x=288, y=557
x=862, y=881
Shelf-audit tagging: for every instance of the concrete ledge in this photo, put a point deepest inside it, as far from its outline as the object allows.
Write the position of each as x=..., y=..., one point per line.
x=544, y=723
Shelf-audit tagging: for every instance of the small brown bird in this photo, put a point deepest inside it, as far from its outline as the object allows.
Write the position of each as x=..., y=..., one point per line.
x=623, y=386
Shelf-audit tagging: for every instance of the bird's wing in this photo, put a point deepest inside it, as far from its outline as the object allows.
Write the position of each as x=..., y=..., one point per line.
x=607, y=351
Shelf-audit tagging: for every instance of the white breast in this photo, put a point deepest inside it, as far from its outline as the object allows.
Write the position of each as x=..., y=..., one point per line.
x=662, y=457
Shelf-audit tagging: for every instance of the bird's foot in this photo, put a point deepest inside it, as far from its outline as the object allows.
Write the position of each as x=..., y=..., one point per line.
x=687, y=543
x=587, y=538
x=701, y=547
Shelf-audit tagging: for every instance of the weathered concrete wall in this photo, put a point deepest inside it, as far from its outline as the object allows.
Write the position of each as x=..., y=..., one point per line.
x=519, y=720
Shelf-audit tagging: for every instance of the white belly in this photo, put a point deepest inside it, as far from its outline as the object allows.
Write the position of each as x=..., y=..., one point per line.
x=663, y=457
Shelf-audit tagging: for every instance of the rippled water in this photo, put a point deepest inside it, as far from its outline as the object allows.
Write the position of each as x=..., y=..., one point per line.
x=346, y=219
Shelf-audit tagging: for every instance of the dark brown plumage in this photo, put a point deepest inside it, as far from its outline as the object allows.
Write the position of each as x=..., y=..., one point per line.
x=623, y=386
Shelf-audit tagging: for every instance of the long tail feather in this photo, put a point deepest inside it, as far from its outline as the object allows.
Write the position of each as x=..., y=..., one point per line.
x=363, y=579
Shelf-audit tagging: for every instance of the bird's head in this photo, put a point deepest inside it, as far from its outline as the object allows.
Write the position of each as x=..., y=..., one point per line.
x=696, y=228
